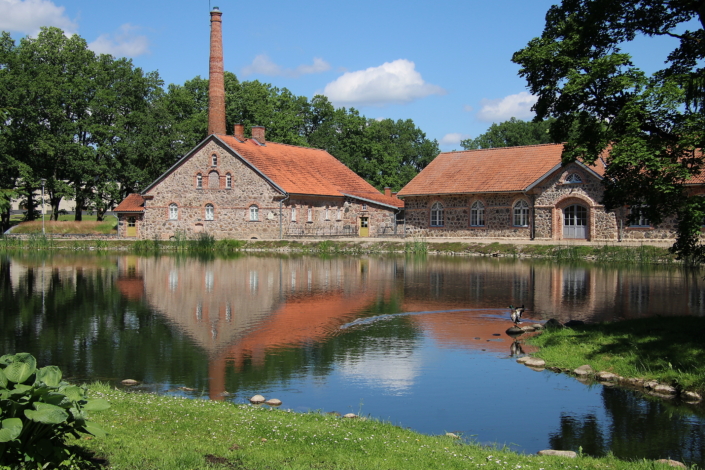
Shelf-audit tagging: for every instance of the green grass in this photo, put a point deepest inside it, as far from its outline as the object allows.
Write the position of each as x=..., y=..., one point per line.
x=669, y=350
x=158, y=432
x=67, y=226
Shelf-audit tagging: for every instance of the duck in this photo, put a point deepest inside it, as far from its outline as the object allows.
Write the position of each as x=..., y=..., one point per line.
x=515, y=314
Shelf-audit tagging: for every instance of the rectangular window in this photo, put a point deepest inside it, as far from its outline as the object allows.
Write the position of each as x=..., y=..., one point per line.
x=310, y=214
x=327, y=218
x=293, y=214
x=639, y=217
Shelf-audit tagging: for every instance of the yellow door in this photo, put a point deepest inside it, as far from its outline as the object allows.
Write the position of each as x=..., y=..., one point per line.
x=364, y=227
x=131, y=227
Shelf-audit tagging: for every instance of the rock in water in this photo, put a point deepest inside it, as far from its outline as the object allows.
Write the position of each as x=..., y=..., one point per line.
x=273, y=402
x=129, y=382
x=257, y=399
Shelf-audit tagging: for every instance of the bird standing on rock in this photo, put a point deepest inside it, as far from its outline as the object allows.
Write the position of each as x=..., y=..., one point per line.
x=515, y=313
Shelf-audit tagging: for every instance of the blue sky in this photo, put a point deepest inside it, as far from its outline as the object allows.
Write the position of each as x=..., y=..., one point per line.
x=445, y=65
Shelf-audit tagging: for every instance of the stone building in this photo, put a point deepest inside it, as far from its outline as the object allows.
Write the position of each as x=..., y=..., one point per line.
x=520, y=193
x=232, y=186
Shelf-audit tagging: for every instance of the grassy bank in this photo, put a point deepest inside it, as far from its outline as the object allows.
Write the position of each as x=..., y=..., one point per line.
x=157, y=432
x=670, y=350
x=642, y=254
x=65, y=225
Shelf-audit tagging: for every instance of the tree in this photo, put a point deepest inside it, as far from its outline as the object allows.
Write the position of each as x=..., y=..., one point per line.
x=512, y=133
x=649, y=128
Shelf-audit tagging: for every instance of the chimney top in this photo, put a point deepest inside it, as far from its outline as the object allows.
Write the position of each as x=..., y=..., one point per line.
x=216, y=9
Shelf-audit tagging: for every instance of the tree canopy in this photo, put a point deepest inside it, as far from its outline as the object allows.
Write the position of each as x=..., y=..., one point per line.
x=648, y=127
x=512, y=133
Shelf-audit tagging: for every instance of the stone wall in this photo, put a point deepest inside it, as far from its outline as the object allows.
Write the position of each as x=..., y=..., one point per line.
x=231, y=214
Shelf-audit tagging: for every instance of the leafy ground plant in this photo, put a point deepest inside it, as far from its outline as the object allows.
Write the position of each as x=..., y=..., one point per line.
x=38, y=411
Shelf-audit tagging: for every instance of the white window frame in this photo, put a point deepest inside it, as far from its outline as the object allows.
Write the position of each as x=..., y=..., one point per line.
x=173, y=211
x=214, y=160
x=210, y=212
x=573, y=178
x=477, y=214
x=199, y=181
x=254, y=213
x=228, y=181
x=520, y=214
x=437, y=215
x=641, y=221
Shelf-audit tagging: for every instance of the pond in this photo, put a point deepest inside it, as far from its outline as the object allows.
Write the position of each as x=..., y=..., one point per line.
x=418, y=342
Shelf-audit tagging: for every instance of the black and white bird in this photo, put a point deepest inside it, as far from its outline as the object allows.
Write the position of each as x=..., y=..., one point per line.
x=515, y=314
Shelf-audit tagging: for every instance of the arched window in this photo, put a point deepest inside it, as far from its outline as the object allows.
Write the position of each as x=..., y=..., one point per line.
x=477, y=214
x=214, y=159
x=573, y=178
x=437, y=215
x=199, y=181
x=213, y=180
x=254, y=213
x=228, y=181
x=173, y=212
x=210, y=212
x=521, y=214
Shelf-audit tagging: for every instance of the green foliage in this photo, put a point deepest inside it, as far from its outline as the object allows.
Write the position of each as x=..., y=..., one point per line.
x=512, y=133
x=38, y=411
x=648, y=128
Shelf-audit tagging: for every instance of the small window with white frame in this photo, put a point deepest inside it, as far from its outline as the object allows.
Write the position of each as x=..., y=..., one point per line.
x=521, y=214
x=477, y=214
x=228, y=181
x=210, y=212
x=437, y=215
x=214, y=160
x=254, y=213
x=364, y=206
x=638, y=217
x=573, y=178
x=173, y=211
x=199, y=181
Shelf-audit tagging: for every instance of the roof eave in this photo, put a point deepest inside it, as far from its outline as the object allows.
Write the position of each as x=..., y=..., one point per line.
x=372, y=201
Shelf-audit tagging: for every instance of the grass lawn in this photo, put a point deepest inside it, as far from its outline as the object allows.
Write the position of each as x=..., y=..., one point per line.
x=670, y=350
x=158, y=432
x=66, y=225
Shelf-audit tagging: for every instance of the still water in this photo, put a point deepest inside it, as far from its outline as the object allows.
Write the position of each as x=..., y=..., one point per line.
x=418, y=342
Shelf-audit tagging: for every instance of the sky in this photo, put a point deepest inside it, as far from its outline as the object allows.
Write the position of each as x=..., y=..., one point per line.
x=445, y=65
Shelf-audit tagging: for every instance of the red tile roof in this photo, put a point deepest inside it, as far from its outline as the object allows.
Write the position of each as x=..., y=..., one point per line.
x=504, y=169
x=132, y=203
x=303, y=170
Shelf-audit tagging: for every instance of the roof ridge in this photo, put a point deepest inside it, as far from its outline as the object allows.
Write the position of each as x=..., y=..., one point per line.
x=277, y=143
x=498, y=148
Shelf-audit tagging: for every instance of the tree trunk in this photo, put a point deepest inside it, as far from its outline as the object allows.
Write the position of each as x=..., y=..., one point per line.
x=5, y=219
x=55, y=201
x=31, y=206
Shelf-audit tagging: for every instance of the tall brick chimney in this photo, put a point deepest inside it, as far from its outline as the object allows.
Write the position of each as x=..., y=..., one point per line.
x=239, y=132
x=216, y=86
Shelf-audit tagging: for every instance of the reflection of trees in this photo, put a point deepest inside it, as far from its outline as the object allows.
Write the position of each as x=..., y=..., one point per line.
x=637, y=426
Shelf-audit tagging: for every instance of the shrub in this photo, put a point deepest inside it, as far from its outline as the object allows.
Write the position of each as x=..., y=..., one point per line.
x=38, y=411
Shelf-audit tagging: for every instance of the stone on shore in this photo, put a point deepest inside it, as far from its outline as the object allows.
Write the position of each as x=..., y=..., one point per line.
x=583, y=371
x=273, y=402
x=692, y=396
x=671, y=463
x=129, y=382
x=535, y=362
x=350, y=415
x=559, y=453
x=664, y=389
x=607, y=376
x=257, y=399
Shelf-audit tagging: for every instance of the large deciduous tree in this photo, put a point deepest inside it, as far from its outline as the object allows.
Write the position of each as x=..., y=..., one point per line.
x=512, y=133
x=649, y=127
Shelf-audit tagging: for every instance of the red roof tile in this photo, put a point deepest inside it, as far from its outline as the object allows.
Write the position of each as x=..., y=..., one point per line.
x=132, y=203
x=504, y=169
x=303, y=170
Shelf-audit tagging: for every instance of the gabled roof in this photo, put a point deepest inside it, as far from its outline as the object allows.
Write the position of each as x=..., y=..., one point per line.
x=503, y=169
x=296, y=170
x=306, y=171
x=132, y=203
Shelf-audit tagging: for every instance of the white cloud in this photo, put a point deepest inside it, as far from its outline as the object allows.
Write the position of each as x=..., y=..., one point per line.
x=453, y=138
x=392, y=82
x=27, y=16
x=263, y=65
x=123, y=43
x=518, y=106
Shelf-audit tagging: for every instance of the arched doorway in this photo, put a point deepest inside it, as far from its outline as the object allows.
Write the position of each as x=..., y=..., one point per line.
x=575, y=222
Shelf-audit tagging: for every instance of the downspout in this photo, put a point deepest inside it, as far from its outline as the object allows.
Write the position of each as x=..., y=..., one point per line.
x=532, y=230
x=281, y=202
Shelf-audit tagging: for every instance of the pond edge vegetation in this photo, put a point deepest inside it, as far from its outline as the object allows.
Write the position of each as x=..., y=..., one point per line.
x=207, y=244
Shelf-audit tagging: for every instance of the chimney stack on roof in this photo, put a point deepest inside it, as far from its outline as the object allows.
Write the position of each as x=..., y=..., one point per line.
x=258, y=134
x=388, y=191
x=216, y=84
x=239, y=132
